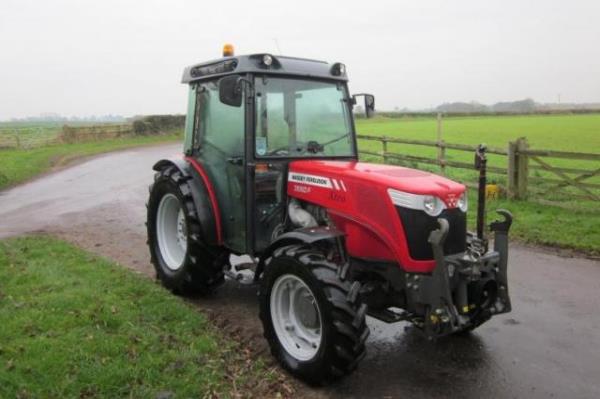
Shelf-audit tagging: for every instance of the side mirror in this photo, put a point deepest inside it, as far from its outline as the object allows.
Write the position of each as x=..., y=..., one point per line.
x=369, y=103
x=230, y=90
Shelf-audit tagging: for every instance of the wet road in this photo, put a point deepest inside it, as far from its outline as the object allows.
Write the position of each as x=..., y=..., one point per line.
x=549, y=346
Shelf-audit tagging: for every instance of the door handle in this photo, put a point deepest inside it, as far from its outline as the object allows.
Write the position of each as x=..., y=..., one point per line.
x=236, y=161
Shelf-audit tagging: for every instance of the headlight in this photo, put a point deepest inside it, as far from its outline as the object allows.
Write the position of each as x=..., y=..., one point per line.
x=432, y=205
x=429, y=204
x=463, y=203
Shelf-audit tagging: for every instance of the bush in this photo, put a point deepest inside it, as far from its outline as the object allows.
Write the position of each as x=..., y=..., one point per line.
x=154, y=124
x=140, y=128
x=68, y=134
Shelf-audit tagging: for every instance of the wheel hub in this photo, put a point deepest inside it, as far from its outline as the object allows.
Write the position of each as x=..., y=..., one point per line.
x=181, y=230
x=171, y=232
x=307, y=311
x=296, y=317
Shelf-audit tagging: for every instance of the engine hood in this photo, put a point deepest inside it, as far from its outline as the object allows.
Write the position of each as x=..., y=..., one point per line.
x=349, y=173
x=357, y=198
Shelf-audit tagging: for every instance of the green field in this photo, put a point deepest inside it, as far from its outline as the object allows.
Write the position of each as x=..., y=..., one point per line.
x=558, y=132
x=27, y=135
x=578, y=133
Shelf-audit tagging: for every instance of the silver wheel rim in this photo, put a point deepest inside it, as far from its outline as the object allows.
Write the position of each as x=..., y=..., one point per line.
x=296, y=317
x=171, y=231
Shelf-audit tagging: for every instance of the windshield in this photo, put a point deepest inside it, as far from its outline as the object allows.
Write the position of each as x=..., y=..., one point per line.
x=302, y=118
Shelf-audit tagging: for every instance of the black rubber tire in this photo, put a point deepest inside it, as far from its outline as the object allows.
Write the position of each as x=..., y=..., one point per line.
x=202, y=270
x=344, y=330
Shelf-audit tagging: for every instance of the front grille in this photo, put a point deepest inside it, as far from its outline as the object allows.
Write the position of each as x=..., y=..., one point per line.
x=417, y=226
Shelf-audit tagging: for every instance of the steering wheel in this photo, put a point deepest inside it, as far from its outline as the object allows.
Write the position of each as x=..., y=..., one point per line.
x=285, y=150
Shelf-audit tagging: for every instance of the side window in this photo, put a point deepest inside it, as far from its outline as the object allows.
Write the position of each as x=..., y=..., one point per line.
x=272, y=129
x=217, y=125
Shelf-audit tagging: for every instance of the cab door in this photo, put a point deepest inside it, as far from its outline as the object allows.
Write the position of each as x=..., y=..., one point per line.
x=218, y=144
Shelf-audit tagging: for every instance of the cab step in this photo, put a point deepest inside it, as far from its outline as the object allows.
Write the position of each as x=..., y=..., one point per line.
x=388, y=315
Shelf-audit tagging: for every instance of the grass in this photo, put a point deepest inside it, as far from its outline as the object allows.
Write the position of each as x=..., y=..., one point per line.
x=69, y=331
x=571, y=223
x=19, y=165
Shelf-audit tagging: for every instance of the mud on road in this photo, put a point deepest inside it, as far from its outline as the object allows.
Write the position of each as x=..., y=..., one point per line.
x=549, y=346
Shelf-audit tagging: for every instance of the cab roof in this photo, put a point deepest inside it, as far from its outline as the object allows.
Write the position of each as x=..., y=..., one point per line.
x=253, y=63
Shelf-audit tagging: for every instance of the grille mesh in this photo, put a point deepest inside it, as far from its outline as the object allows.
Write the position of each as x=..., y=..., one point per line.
x=417, y=226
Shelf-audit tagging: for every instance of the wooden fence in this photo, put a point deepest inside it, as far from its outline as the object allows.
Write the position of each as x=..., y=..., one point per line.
x=557, y=177
x=79, y=134
x=28, y=137
x=35, y=137
x=527, y=172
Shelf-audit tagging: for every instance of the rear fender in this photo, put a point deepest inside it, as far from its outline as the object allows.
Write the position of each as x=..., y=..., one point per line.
x=207, y=211
x=306, y=235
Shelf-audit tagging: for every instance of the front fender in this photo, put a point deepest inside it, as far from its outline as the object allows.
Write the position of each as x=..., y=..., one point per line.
x=306, y=235
x=207, y=211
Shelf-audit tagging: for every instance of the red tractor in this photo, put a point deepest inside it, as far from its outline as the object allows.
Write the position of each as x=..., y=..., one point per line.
x=270, y=170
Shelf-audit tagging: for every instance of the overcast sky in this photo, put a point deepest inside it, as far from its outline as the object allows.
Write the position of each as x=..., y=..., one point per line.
x=124, y=57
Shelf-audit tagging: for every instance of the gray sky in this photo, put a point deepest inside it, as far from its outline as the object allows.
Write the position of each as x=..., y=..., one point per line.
x=125, y=57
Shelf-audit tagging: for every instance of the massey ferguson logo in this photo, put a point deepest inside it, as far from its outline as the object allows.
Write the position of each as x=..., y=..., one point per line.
x=318, y=181
x=451, y=200
x=311, y=180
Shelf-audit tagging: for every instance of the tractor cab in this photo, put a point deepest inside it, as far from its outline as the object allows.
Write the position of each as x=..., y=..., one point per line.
x=248, y=117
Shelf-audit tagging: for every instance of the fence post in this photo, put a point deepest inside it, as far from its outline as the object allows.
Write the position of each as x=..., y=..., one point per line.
x=518, y=168
x=523, y=167
x=440, y=145
x=512, y=170
x=384, y=145
x=17, y=139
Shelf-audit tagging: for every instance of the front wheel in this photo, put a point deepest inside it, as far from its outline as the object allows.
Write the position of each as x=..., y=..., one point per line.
x=312, y=317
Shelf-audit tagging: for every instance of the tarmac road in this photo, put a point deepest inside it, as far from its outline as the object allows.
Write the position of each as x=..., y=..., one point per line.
x=549, y=346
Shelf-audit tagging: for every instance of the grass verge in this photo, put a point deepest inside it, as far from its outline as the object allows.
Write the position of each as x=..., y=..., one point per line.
x=75, y=325
x=19, y=165
x=574, y=229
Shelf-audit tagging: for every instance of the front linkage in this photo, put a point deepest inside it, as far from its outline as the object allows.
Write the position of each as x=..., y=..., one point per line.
x=465, y=289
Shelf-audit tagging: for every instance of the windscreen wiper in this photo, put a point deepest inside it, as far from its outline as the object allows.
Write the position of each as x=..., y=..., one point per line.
x=314, y=147
x=335, y=140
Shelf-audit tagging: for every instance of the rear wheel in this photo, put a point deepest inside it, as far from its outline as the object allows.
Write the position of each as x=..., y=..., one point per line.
x=312, y=317
x=184, y=263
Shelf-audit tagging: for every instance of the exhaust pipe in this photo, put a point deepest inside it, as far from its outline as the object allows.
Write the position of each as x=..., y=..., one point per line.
x=481, y=165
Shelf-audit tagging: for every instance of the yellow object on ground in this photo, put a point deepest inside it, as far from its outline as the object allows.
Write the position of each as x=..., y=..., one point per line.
x=492, y=191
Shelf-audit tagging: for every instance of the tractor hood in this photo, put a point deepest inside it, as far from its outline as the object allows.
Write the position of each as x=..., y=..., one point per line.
x=376, y=206
x=344, y=175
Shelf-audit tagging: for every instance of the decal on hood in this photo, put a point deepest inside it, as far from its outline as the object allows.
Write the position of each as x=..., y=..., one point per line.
x=315, y=180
